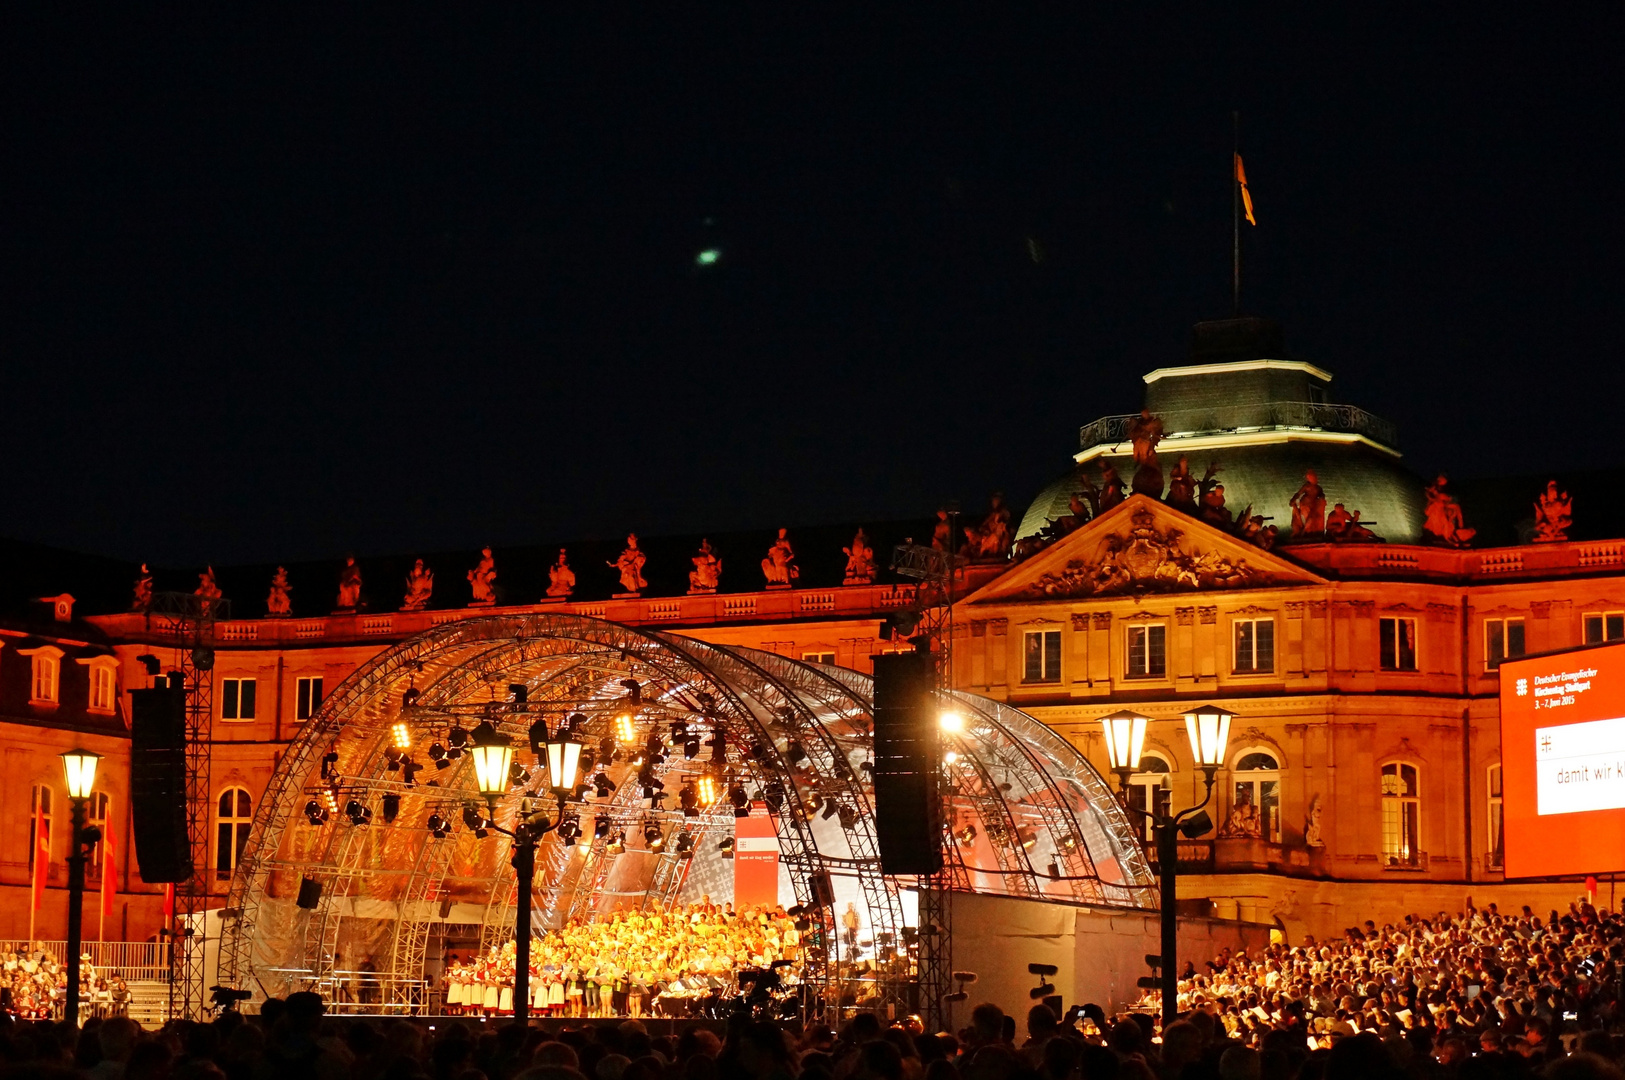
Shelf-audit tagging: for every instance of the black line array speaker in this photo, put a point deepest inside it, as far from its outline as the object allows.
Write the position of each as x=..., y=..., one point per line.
x=908, y=813
x=158, y=781
x=310, y=894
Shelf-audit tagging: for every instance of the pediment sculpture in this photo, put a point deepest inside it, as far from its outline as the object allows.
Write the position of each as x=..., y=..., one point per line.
x=1146, y=559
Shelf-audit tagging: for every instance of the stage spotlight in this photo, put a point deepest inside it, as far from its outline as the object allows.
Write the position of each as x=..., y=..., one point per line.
x=330, y=762
x=409, y=772
x=392, y=758
x=357, y=813
x=1054, y=870
x=402, y=736
x=718, y=742
x=685, y=843
x=392, y=807
x=1028, y=836
x=625, y=732
x=1070, y=842
x=689, y=800
x=691, y=748
x=606, y=749
x=738, y=797
x=437, y=754
x=518, y=693
x=774, y=797
x=473, y=818
x=707, y=790
x=849, y=817
x=653, y=837
x=966, y=836
x=759, y=751
x=538, y=738
x=727, y=848
x=634, y=691
x=315, y=813
x=951, y=723
x=437, y=824
x=831, y=808
x=600, y=828
x=617, y=843
x=517, y=774
x=330, y=803
x=456, y=742
x=602, y=785
x=795, y=754
x=410, y=697
x=570, y=829
x=679, y=730
x=951, y=757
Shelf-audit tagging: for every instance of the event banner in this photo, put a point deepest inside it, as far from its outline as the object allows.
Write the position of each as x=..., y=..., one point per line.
x=756, y=859
x=1563, y=762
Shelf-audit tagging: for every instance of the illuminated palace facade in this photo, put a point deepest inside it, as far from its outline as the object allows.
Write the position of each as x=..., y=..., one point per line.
x=1363, y=772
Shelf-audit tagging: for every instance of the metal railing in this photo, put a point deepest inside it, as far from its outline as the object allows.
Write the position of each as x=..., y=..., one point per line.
x=132, y=961
x=1259, y=416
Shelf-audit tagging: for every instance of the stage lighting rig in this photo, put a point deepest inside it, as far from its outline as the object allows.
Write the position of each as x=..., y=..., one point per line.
x=570, y=829
x=438, y=826
x=727, y=848
x=617, y=843
x=685, y=843
x=330, y=764
x=707, y=789
x=437, y=754
x=392, y=807
x=600, y=829
x=358, y=813
x=402, y=736
x=653, y=837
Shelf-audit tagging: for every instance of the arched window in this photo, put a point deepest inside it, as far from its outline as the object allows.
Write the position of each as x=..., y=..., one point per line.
x=1401, y=814
x=96, y=814
x=1497, y=843
x=231, y=830
x=1150, y=789
x=39, y=803
x=1255, y=795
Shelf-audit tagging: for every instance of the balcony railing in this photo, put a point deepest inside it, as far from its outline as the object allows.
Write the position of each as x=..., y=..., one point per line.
x=1260, y=416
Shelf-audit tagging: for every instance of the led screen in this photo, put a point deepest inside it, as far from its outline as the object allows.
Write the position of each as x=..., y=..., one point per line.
x=1563, y=762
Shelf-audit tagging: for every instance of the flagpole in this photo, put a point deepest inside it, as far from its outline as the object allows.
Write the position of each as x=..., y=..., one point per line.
x=1235, y=217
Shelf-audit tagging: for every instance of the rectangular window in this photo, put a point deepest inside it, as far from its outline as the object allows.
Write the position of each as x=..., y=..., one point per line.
x=1042, y=656
x=237, y=699
x=1255, y=645
x=1605, y=626
x=1147, y=650
x=1401, y=815
x=45, y=670
x=1503, y=640
x=818, y=657
x=1497, y=843
x=1397, y=644
x=310, y=697
x=102, y=680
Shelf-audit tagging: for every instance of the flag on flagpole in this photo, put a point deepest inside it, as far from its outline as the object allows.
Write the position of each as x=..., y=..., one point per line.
x=109, y=870
x=42, y=854
x=1246, y=196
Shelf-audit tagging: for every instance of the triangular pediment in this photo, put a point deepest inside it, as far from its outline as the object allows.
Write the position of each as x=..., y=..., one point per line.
x=1141, y=547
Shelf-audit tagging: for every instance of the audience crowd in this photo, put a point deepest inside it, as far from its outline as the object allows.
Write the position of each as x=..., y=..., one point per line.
x=34, y=985
x=1479, y=996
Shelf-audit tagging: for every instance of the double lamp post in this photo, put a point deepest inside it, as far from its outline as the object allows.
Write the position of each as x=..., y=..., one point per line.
x=1208, y=728
x=493, y=773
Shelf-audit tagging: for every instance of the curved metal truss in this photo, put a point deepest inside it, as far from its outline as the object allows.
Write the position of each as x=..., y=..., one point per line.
x=675, y=710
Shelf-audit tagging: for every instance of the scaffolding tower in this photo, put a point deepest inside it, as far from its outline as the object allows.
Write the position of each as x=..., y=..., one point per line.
x=187, y=620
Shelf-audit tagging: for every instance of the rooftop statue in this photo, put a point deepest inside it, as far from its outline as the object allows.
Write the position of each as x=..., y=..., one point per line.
x=1311, y=827
x=349, y=585
x=1182, y=487
x=206, y=587
x=942, y=533
x=141, y=599
x=707, y=572
x=1554, y=515
x=1308, y=507
x=561, y=580
x=630, y=564
x=482, y=579
x=860, y=561
x=277, y=604
x=991, y=539
x=1145, y=432
x=1344, y=527
x=1443, y=521
x=419, y=587
x=1213, y=511
x=780, y=567
x=1111, y=487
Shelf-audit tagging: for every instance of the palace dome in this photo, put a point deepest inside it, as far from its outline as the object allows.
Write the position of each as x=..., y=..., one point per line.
x=1264, y=422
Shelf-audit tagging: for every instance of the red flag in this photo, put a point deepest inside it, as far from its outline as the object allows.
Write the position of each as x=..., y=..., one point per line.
x=109, y=869
x=42, y=852
x=1246, y=196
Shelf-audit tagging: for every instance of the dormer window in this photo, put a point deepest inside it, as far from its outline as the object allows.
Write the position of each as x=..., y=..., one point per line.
x=45, y=679
x=103, y=685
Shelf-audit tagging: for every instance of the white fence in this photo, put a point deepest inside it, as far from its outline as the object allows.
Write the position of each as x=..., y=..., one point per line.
x=130, y=960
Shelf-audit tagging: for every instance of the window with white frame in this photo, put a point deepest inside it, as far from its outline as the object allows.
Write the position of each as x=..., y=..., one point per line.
x=1255, y=795
x=237, y=699
x=1255, y=645
x=1151, y=789
x=818, y=657
x=1147, y=650
x=96, y=815
x=103, y=685
x=232, y=823
x=1497, y=840
x=1396, y=643
x=308, y=698
x=45, y=674
x=1041, y=656
x=1401, y=814
x=39, y=805
x=1503, y=640
x=1601, y=626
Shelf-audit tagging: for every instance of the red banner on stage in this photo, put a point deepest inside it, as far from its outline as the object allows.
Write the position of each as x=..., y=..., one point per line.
x=756, y=859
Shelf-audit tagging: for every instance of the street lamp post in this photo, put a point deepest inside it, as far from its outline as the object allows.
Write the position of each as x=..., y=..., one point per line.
x=79, y=767
x=1208, y=729
x=493, y=769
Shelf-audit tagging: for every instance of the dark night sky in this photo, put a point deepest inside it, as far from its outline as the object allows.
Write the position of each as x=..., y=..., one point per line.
x=277, y=289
